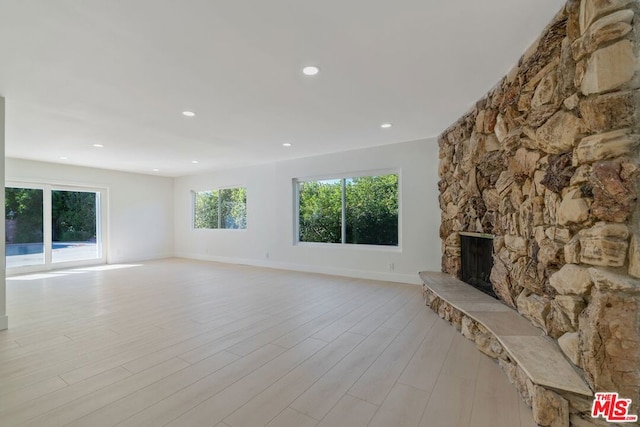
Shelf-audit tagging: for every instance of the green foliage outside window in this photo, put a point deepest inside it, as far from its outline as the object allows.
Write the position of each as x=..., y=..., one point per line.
x=73, y=216
x=370, y=210
x=226, y=208
x=233, y=208
x=206, y=209
x=320, y=211
x=23, y=206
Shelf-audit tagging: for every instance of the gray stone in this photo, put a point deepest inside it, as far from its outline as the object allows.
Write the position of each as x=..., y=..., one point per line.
x=610, y=111
x=544, y=92
x=501, y=129
x=572, y=102
x=501, y=278
x=610, y=342
x=550, y=253
x=559, y=172
x=516, y=244
x=570, y=345
x=538, y=178
x=581, y=175
x=503, y=185
x=605, y=146
x=558, y=234
x=606, y=29
x=571, y=280
x=614, y=197
x=480, y=121
x=565, y=75
x=523, y=162
x=590, y=10
x=634, y=256
x=605, y=280
x=559, y=133
x=491, y=199
x=571, y=306
x=469, y=328
x=573, y=208
x=549, y=408
x=604, y=245
x=609, y=68
x=535, y=308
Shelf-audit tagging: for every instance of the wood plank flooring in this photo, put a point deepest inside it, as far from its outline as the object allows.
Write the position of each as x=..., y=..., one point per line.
x=188, y=343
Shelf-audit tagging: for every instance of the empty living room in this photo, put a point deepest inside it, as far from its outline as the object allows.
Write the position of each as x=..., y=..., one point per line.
x=336, y=214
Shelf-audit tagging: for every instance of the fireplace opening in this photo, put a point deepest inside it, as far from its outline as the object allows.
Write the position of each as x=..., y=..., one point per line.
x=477, y=261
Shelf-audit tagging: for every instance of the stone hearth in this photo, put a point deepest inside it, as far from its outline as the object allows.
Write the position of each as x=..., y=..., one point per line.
x=545, y=379
x=548, y=162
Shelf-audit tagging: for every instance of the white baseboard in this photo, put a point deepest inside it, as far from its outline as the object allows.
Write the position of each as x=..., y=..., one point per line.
x=412, y=279
x=4, y=322
x=128, y=260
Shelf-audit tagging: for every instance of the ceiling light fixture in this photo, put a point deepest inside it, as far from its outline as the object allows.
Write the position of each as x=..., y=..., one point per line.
x=156, y=170
x=194, y=162
x=98, y=145
x=286, y=144
x=63, y=158
x=311, y=70
x=188, y=113
x=385, y=125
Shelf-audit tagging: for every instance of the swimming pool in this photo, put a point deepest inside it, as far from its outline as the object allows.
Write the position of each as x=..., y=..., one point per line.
x=33, y=248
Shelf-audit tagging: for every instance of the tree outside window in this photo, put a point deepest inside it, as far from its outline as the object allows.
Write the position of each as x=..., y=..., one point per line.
x=359, y=210
x=225, y=208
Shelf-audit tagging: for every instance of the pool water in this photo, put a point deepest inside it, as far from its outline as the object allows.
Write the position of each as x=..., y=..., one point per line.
x=32, y=248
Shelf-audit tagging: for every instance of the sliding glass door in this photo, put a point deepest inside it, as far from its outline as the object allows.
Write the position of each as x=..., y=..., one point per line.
x=52, y=227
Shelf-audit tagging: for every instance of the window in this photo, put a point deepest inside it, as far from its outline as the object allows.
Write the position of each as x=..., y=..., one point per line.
x=359, y=210
x=225, y=208
x=51, y=225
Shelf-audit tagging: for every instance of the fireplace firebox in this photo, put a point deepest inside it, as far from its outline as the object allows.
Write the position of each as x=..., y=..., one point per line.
x=477, y=261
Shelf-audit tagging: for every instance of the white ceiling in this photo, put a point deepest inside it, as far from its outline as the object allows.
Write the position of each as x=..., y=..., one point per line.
x=120, y=72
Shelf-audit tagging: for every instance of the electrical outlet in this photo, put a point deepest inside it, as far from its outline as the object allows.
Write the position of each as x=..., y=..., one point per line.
x=392, y=266
x=266, y=255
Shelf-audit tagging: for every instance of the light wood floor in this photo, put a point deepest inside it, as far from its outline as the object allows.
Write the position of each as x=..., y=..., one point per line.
x=186, y=343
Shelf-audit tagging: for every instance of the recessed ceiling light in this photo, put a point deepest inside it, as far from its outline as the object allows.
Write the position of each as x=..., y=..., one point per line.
x=188, y=113
x=385, y=125
x=311, y=70
x=194, y=162
x=63, y=158
x=156, y=170
x=286, y=144
x=98, y=145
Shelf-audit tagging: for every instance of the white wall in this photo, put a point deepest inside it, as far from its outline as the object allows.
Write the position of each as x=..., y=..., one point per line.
x=140, y=207
x=4, y=321
x=270, y=215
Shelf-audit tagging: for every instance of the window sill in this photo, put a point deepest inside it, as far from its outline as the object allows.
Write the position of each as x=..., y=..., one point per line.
x=349, y=246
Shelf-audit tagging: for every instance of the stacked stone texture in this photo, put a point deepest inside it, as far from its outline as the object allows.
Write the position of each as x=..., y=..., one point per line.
x=549, y=163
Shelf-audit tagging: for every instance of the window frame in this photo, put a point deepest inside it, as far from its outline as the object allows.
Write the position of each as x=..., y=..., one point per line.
x=194, y=194
x=343, y=176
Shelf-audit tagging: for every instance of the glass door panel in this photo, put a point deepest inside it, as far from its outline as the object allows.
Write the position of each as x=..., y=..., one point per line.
x=74, y=226
x=24, y=227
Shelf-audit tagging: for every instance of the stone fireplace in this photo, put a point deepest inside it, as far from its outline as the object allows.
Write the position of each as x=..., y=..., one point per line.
x=548, y=162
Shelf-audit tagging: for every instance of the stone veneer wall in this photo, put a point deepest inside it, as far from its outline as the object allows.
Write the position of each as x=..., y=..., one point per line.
x=548, y=162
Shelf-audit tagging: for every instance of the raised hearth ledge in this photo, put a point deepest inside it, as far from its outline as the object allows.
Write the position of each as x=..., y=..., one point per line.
x=541, y=360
